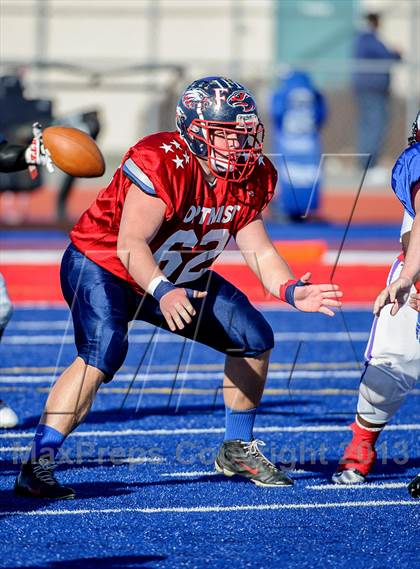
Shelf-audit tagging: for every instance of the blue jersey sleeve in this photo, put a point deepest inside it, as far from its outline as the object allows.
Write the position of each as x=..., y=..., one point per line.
x=405, y=174
x=2, y=139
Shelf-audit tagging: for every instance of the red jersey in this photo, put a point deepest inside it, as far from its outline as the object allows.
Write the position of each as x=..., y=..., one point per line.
x=199, y=218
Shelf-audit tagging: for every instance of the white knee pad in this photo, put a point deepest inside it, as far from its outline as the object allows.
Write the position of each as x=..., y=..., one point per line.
x=382, y=391
x=6, y=308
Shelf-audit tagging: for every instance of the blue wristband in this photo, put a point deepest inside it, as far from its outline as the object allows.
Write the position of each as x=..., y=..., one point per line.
x=163, y=288
x=289, y=292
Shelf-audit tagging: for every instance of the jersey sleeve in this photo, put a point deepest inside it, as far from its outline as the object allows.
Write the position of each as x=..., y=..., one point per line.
x=407, y=224
x=405, y=174
x=148, y=167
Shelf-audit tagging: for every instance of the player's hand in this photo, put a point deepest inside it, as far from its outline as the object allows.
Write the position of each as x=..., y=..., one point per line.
x=317, y=297
x=396, y=293
x=36, y=154
x=414, y=301
x=177, y=308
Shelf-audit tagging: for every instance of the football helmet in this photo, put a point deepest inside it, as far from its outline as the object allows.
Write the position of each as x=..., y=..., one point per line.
x=415, y=130
x=218, y=119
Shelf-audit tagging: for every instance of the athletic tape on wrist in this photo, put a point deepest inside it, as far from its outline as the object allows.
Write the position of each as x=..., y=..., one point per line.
x=163, y=288
x=287, y=290
x=154, y=283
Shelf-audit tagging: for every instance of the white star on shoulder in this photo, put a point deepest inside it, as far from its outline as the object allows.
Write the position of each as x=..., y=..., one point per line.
x=175, y=143
x=261, y=160
x=187, y=158
x=178, y=161
x=166, y=147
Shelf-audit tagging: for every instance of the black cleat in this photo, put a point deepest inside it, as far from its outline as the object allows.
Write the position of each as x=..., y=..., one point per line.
x=414, y=487
x=36, y=480
x=246, y=459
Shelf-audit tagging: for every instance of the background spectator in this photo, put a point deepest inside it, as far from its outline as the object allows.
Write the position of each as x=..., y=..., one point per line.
x=372, y=91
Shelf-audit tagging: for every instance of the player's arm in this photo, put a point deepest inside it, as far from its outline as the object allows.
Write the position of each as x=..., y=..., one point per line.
x=12, y=157
x=412, y=256
x=16, y=157
x=414, y=300
x=141, y=219
x=397, y=292
x=276, y=276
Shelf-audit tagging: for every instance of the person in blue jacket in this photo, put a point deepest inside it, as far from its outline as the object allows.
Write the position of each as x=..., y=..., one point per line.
x=298, y=112
x=371, y=90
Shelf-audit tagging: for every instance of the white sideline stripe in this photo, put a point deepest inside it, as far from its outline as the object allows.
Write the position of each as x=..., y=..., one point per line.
x=207, y=509
x=31, y=257
x=360, y=257
x=185, y=376
x=349, y=257
x=191, y=474
x=173, y=338
x=384, y=486
x=212, y=430
x=41, y=304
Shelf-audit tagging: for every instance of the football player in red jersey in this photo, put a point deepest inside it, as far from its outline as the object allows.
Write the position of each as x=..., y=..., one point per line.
x=143, y=251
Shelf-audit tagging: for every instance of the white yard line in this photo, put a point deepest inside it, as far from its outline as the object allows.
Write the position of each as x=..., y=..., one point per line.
x=191, y=376
x=366, y=486
x=191, y=474
x=74, y=461
x=217, y=509
x=31, y=325
x=211, y=431
x=48, y=339
x=196, y=367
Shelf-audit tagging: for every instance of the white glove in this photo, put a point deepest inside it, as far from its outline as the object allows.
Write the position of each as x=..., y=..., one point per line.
x=36, y=154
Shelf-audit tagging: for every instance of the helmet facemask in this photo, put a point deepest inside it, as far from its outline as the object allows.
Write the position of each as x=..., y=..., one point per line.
x=415, y=131
x=232, y=148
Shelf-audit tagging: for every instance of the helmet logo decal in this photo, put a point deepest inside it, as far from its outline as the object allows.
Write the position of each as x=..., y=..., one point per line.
x=193, y=98
x=219, y=97
x=212, y=112
x=241, y=99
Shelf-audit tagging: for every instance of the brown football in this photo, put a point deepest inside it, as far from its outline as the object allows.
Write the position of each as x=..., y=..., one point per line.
x=74, y=151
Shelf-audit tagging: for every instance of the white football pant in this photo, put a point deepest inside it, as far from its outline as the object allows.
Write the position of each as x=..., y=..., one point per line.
x=392, y=361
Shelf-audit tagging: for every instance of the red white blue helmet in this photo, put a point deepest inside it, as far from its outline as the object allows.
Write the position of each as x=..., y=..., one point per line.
x=415, y=130
x=211, y=113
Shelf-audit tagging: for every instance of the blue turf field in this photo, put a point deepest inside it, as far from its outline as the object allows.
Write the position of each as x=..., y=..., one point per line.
x=142, y=463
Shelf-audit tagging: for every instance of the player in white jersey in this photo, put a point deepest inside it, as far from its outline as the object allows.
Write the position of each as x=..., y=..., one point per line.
x=393, y=352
